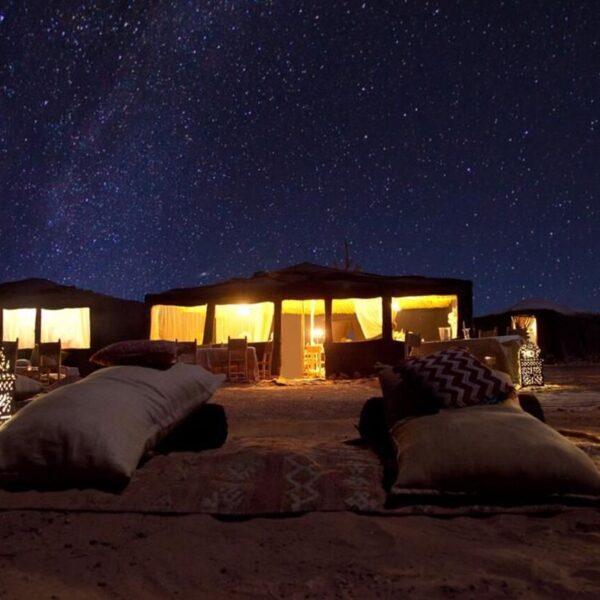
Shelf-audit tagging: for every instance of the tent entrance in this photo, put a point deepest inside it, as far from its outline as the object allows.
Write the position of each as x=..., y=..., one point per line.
x=526, y=324
x=302, y=338
x=424, y=316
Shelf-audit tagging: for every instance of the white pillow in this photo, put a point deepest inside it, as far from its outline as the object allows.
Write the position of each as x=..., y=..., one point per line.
x=94, y=432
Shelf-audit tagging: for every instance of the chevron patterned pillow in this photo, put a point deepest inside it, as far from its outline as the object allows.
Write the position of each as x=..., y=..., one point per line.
x=457, y=378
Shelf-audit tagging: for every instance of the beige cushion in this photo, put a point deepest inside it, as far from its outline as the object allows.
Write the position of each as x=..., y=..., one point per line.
x=498, y=450
x=94, y=432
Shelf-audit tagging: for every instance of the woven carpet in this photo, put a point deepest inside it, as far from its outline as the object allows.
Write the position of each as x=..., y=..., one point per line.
x=264, y=476
x=261, y=477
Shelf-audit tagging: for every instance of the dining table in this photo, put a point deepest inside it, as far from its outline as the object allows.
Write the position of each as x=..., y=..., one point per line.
x=499, y=352
x=215, y=359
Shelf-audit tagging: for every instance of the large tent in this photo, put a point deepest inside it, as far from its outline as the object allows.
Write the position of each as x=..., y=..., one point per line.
x=562, y=333
x=38, y=310
x=357, y=318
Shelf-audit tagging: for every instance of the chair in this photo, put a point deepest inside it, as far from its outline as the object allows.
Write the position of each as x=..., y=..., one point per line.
x=237, y=359
x=411, y=340
x=314, y=360
x=11, y=352
x=188, y=353
x=488, y=332
x=265, y=362
x=50, y=358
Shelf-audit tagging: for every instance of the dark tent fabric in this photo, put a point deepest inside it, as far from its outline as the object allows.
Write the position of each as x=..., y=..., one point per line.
x=310, y=281
x=111, y=319
x=564, y=334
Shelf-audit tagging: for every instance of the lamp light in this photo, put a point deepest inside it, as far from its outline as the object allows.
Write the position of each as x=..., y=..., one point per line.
x=243, y=310
x=7, y=389
x=317, y=333
x=531, y=365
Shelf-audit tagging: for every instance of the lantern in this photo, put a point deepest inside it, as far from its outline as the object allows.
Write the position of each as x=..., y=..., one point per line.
x=7, y=389
x=531, y=365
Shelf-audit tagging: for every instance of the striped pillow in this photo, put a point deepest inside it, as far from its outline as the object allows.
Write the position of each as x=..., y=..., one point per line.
x=457, y=378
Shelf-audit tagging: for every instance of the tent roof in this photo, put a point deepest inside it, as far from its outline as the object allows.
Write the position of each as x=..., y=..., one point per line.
x=35, y=291
x=308, y=280
x=533, y=305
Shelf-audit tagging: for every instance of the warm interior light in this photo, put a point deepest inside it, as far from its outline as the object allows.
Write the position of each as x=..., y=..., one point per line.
x=19, y=323
x=252, y=321
x=69, y=325
x=317, y=332
x=183, y=323
x=243, y=310
x=418, y=302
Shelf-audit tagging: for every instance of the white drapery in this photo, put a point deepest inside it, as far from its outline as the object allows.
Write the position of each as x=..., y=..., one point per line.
x=252, y=321
x=526, y=323
x=368, y=311
x=69, y=325
x=19, y=323
x=182, y=323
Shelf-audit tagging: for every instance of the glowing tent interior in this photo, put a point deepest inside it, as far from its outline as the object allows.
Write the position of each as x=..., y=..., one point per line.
x=322, y=320
x=562, y=333
x=38, y=310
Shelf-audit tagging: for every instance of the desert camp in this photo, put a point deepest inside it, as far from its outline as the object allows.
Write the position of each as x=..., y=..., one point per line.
x=35, y=311
x=299, y=300
x=352, y=318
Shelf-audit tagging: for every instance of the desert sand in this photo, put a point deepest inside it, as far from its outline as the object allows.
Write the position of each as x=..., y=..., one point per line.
x=52, y=554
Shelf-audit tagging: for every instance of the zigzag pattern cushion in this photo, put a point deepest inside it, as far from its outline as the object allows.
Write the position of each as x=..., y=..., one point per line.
x=457, y=378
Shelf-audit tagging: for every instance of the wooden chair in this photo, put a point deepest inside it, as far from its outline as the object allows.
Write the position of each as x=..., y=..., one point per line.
x=266, y=361
x=49, y=361
x=11, y=352
x=188, y=355
x=314, y=360
x=237, y=359
x=411, y=340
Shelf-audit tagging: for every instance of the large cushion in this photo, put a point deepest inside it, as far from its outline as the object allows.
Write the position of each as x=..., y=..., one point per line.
x=457, y=378
x=403, y=398
x=497, y=451
x=94, y=432
x=141, y=353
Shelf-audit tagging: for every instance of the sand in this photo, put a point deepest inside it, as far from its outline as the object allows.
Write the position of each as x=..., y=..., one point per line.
x=317, y=555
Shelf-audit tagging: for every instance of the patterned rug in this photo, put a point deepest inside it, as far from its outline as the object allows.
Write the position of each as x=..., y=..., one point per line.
x=263, y=477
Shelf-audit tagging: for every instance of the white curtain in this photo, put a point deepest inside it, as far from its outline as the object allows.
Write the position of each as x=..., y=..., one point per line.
x=19, y=323
x=526, y=323
x=182, y=323
x=370, y=316
x=253, y=321
x=368, y=311
x=69, y=325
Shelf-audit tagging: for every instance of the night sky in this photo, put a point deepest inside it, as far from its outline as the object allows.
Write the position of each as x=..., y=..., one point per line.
x=149, y=145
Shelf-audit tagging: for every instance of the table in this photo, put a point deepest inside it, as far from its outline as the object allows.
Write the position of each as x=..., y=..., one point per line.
x=216, y=358
x=34, y=372
x=504, y=349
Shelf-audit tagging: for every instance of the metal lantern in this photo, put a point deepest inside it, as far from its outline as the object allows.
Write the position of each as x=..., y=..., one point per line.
x=7, y=389
x=531, y=365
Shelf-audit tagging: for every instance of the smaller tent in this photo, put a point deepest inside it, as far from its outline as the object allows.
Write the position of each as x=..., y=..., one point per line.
x=562, y=333
x=39, y=310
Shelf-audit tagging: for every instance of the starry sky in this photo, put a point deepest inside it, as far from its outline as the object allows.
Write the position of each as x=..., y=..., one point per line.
x=146, y=145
